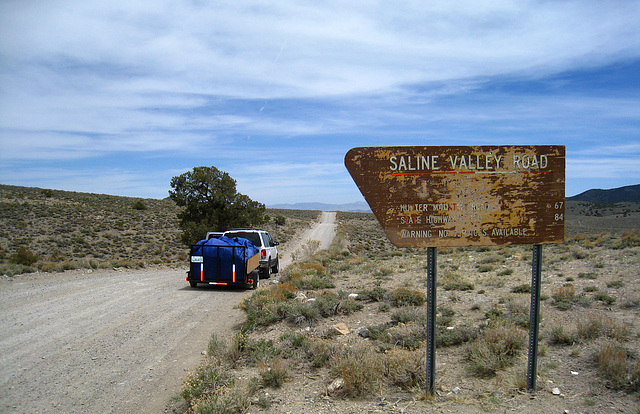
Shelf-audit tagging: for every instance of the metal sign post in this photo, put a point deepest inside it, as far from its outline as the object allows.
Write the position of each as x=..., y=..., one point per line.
x=486, y=195
x=432, y=259
x=534, y=321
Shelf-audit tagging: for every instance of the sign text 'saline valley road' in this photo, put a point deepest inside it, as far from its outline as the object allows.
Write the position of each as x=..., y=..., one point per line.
x=463, y=196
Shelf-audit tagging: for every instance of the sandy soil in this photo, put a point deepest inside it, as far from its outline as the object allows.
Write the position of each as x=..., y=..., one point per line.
x=117, y=341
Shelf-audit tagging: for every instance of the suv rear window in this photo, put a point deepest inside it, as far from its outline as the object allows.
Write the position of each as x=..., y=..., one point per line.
x=252, y=237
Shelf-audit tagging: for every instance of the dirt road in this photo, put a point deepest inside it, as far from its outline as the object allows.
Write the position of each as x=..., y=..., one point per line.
x=109, y=341
x=323, y=232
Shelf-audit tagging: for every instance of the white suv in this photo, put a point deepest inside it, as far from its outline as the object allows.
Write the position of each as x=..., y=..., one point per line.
x=269, y=262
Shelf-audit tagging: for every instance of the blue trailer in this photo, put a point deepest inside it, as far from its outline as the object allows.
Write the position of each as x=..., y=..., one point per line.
x=224, y=261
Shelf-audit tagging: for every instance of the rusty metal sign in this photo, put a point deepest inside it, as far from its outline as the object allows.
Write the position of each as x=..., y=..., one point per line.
x=464, y=195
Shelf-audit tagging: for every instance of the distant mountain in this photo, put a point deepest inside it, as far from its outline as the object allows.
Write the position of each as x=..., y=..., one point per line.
x=628, y=194
x=356, y=207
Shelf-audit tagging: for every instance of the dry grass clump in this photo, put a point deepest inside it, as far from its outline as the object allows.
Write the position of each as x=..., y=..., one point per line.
x=619, y=367
x=596, y=325
x=407, y=297
x=212, y=389
x=364, y=371
x=360, y=368
x=274, y=373
x=588, y=328
x=405, y=368
x=495, y=349
x=565, y=297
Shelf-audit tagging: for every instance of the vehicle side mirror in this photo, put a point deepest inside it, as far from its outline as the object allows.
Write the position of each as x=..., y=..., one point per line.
x=275, y=243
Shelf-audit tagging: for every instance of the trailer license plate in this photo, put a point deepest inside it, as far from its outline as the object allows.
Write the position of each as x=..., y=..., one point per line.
x=196, y=259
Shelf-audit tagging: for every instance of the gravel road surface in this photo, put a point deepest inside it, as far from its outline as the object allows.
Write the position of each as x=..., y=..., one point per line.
x=104, y=342
x=111, y=341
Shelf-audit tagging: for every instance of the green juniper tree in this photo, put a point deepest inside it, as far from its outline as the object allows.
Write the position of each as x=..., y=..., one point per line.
x=211, y=203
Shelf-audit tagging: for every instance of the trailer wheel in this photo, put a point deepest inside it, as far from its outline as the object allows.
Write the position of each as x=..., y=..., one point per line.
x=256, y=281
x=193, y=284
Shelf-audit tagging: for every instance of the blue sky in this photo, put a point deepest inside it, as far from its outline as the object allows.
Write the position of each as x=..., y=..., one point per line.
x=117, y=96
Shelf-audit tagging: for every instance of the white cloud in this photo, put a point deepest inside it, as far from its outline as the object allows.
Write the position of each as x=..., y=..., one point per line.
x=218, y=81
x=321, y=48
x=627, y=168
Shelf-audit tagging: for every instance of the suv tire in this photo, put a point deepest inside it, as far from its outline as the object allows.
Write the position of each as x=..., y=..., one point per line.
x=265, y=273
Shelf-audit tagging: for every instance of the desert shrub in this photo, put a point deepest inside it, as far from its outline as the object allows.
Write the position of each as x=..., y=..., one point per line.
x=361, y=369
x=306, y=251
x=580, y=254
x=409, y=335
x=251, y=351
x=604, y=297
x=632, y=302
x=505, y=272
x=491, y=259
x=261, y=350
x=376, y=294
x=349, y=306
x=407, y=297
x=267, y=306
x=207, y=379
x=617, y=368
x=493, y=313
x=616, y=284
x=484, y=268
x=408, y=314
x=405, y=368
x=564, y=297
x=558, y=336
x=215, y=346
x=294, y=344
x=376, y=332
x=139, y=205
x=320, y=352
x=225, y=400
x=274, y=374
x=495, y=349
x=463, y=286
x=23, y=256
x=382, y=273
x=517, y=380
x=524, y=288
x=312, y=268
x=314, y=282
x=327, y=304
x=631, y=239
x=453, y=336
x=594, y=326
x=590, y=275
x=303, y=313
